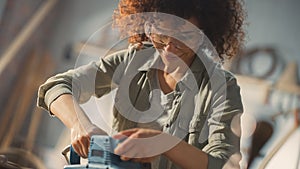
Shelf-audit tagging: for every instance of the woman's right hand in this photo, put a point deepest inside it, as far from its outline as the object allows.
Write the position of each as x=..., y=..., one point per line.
x=80, y=137
x=66, y=108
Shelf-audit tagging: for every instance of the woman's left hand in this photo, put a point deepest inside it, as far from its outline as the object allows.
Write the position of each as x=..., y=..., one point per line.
x=143, y=145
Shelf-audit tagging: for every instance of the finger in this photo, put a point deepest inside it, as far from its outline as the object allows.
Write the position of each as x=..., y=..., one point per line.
x=125, y=133
x=124, y=146
x=84, y=142
x=129, y=155
x=120, y=149
x=119, y=136
x=133, y=152
x=124, y=158
x=77, y=148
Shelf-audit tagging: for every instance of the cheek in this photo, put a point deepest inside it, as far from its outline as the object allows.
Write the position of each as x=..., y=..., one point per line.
x=188, y=51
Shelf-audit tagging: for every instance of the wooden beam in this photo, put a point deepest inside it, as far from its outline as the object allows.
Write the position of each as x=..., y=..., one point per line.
x=14, y=97
x=274, y=150
x=45, y=67
x=25, y=100
x=25, y=34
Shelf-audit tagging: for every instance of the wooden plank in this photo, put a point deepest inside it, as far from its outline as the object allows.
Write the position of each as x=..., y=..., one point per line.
x=14, y=97
x=33, y=128
x=46, y=67
x=21, y=110
x=270, y=155
x=25, y=34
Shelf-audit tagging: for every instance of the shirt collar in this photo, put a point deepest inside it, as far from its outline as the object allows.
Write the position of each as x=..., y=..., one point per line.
x=189, y=79
x=153, y=61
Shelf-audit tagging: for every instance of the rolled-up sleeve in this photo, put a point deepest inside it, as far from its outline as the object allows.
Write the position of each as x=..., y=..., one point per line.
x=95, y=78
x=223, y=122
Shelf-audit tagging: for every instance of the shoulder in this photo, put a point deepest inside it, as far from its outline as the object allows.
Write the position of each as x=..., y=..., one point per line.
x=230, y=79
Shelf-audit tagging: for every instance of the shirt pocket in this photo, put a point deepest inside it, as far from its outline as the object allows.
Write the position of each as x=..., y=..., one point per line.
x=198, y=132
x=180, y=128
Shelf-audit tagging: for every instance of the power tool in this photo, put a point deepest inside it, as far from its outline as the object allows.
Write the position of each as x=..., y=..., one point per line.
x=101, y=156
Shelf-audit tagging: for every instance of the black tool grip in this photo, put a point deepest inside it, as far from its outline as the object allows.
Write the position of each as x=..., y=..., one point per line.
x=74, y=157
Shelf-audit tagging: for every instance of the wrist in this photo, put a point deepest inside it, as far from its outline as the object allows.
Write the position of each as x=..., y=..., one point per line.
x=171, y=151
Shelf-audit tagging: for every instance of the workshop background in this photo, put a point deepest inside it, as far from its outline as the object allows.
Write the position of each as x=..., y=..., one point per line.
x=39, y=38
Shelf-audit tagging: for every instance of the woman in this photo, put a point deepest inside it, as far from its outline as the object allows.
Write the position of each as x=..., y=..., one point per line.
x=175, y=105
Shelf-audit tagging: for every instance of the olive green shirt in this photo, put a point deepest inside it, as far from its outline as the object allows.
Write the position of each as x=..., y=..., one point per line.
x=207, y=98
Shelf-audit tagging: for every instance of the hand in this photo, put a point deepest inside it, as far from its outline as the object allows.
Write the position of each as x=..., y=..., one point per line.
x=143, y=145
x=66, y=108
x=80, y=137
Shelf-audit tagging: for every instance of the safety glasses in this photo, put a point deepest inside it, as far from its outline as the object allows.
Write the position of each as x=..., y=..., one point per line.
x=180, y=39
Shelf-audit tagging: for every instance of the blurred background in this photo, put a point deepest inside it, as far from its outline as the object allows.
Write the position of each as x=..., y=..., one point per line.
x=39, y=38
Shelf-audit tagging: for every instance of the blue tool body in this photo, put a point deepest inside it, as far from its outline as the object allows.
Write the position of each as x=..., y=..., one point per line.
x=101, y=156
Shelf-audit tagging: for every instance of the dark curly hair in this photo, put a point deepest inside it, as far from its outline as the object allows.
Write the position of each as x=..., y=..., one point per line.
x=221, y=20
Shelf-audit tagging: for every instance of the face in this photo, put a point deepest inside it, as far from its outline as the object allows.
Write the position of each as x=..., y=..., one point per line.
x=176, y=44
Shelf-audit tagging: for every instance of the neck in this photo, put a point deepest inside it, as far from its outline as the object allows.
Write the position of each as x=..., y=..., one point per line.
x=178, y=71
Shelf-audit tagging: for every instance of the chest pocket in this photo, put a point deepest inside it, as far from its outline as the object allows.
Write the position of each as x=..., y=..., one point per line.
x=197, y=131
x=198, y=128
x=196, y=125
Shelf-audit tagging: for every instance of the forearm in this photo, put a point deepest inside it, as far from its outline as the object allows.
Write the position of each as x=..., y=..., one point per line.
x=66, y=108
x=187, y=156
x=70, y=113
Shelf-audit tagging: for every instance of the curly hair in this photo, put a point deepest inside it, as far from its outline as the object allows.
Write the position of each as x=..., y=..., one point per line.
x=221, y=20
